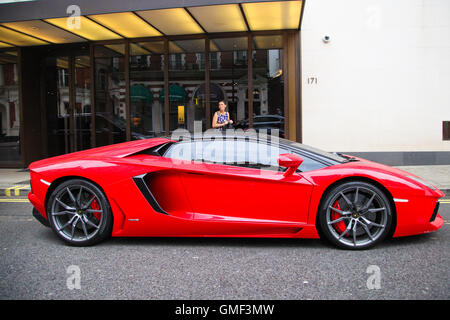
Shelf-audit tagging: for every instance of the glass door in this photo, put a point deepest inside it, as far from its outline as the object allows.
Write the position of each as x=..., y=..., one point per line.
x=82, y=104
x=66, y=94
x=56, y=96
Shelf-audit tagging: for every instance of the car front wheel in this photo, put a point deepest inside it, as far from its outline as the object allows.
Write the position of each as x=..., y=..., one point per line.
x=355, y=215
x=79, y=213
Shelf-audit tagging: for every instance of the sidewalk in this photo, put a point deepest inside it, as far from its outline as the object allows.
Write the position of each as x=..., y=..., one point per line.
x=16, y=182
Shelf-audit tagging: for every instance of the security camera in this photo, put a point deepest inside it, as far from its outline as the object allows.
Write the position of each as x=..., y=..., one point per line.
x=326, y=38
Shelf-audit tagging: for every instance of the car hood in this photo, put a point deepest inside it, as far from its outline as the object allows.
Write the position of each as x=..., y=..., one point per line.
x=374, y=167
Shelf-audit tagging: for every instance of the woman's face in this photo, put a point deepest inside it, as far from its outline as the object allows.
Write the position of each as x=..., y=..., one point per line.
x=222, y=106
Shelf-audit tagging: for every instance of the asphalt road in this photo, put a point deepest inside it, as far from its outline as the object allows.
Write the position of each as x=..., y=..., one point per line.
x=34, y=264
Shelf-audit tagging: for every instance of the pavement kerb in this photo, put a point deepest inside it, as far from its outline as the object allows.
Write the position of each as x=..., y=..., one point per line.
x=16, y=190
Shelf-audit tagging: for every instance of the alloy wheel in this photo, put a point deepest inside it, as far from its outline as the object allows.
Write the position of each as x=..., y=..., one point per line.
x=77, y=213
x=357, y=216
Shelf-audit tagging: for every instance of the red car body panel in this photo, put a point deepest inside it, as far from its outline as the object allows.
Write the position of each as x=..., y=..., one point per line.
x=203, y=199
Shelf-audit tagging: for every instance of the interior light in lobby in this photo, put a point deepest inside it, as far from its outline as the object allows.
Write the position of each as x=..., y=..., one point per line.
x=87, y=28
x=127, y=24
x=42, y=30
x=19, y=39
x=273, y=15
x=5, y=45
x=173, y=21
x=220, y=18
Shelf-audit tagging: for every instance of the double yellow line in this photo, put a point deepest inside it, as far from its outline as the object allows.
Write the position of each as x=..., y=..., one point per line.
x=15, y=200
x=446, y=201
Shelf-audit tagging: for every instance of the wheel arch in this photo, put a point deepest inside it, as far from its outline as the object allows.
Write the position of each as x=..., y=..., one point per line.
x=55, y=183
x=360, y=179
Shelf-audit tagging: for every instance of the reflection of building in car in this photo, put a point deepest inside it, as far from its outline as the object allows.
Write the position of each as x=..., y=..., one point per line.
x=9, y=112
x=107, y=127
x=268, y=122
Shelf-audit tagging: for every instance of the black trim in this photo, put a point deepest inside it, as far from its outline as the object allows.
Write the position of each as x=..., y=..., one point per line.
x=40, y=218
x=140, y=182
x=244, y=16
x=435, y=212
x=157, y=150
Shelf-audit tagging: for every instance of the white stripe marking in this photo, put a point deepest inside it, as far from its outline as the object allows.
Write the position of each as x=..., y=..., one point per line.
x=45, y=182
x=401, y=200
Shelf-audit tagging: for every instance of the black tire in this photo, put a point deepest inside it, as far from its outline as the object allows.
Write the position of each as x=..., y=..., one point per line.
x=355, y=215
x=79, y=213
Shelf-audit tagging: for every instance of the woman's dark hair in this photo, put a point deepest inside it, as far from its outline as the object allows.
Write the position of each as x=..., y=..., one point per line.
x=221, y=101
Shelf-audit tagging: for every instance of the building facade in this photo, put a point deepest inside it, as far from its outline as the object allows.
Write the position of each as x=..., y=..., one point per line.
x=351, y=76
x=379, y=86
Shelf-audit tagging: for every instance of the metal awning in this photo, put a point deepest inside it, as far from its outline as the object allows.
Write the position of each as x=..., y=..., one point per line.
x=44, y=22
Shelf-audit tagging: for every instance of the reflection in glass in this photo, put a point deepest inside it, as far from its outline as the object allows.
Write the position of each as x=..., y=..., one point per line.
x=57, y=104
x=229, y=76
x=82, y=112
x=186, y=80
x=146, y=86
x=268, y=83
x=9, y=108
x=110, y=114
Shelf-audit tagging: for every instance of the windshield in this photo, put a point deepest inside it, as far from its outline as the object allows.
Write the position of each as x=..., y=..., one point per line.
x=320, y=152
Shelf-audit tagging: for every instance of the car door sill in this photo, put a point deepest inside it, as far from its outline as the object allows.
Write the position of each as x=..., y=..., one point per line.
x=217, y=218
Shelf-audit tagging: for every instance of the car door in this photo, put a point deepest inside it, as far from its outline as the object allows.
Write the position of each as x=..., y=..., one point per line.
x=240, y=181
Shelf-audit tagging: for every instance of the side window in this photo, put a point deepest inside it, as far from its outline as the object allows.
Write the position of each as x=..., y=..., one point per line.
x=308, y=164
x=249, y=154
x=180, y=151
x=243, y=153
x=265, y=155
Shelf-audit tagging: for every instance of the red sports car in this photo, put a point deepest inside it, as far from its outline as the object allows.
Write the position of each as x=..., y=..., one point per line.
x=238, y=186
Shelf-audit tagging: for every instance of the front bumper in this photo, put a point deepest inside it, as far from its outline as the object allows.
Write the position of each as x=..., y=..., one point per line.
x=417, y=216
x=40, y=218
x=434, y=225
x=38, y=207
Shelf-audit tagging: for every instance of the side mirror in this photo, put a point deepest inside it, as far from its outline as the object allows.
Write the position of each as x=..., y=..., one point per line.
x=289, y=161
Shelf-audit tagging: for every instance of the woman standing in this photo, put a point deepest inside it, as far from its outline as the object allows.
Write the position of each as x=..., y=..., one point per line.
x=221, y=118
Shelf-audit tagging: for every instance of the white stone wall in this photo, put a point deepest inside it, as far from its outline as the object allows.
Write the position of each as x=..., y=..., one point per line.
x=382, y=82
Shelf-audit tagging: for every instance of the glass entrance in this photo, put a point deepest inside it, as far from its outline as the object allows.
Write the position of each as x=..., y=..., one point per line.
x=66, y=97
x=82, y=103
x=56, y=96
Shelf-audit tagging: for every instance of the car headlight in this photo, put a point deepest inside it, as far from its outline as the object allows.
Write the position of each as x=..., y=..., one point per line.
x=421, y=181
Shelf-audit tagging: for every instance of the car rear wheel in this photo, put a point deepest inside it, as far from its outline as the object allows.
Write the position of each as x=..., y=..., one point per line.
x=355, y=215
x=79, y=213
